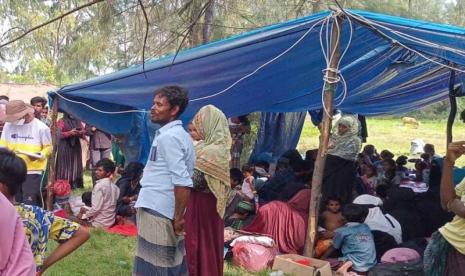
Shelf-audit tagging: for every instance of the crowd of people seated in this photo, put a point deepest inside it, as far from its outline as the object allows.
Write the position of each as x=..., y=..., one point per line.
x=372, y=204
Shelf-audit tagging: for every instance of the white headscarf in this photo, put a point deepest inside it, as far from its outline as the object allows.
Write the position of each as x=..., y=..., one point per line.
x=376, y=220
x=348, y=145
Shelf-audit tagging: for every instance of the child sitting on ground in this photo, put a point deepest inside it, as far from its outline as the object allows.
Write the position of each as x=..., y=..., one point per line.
x=39, y=225
x=242, y=216
x=355, y=241
x=370, y=179
x=248, y=185
x=104, y=197
x=331, y=219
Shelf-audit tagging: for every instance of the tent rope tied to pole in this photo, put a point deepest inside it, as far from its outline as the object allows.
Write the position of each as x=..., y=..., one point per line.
x=336, y=75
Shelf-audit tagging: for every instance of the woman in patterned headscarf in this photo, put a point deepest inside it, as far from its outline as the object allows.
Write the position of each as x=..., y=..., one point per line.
x=207, y=203
x=344, y=145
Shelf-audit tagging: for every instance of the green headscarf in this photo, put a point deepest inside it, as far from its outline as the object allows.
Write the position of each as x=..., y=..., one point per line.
x=213, y=152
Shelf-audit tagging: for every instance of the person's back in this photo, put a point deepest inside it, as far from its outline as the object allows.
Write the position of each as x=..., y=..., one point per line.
x=355, y=239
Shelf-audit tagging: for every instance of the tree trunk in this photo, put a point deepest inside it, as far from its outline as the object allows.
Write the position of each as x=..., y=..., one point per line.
x=316, y=6
x=208, y=20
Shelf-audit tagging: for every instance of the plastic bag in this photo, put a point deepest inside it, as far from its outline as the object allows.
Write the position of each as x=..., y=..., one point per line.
x=253, y=257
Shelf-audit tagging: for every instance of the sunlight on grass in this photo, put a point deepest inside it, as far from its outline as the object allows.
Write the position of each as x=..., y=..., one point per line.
x=391, y=134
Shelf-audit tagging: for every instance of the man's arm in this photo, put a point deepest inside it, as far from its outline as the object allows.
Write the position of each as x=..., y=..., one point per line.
x=97, y=202
x=449, y=200
x=171, y=148
x=181, y=196
x=66, y=247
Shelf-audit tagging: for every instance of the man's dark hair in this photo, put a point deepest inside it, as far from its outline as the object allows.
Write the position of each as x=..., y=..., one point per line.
x=332, y=198
x=13, y=170
x=39, y=99
x=133, y=170
x=247, y=168
x=107, y=165
x=87, y=198
x=354, y=213
x=263, y=164
x=4, y=97
x=236, y=175
x=428, y=147
x=175, y=95
x=386, y=154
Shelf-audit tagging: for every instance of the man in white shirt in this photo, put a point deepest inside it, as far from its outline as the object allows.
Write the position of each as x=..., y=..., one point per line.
x=166, y=185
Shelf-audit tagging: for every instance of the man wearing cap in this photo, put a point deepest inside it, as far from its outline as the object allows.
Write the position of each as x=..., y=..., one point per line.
x=31, y=140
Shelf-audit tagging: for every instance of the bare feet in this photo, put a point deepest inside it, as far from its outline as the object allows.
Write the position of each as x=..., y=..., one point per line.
x=343, y=270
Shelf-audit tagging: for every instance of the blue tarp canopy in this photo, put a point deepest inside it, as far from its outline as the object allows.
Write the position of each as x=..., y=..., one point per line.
x=391, y=65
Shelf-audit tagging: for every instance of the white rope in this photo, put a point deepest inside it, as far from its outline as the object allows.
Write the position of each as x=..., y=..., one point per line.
x=338, y=76
x=405, y=46
x=261, y=66
x=209, y=96
x=407, y=36
x=99, y=110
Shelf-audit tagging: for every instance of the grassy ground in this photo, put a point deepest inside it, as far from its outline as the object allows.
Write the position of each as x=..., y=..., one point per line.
x=108, y=254
x=391, y=134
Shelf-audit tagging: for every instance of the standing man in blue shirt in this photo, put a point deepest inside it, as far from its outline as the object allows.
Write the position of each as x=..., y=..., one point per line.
x=166, y=185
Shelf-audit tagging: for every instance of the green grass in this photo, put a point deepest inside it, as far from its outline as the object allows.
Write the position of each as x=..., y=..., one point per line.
x=109, y=254
x=391, y=134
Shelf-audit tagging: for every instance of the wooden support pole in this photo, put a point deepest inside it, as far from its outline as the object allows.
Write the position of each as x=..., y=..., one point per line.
x=318, y=172
x=453, y=108
x=52, y=157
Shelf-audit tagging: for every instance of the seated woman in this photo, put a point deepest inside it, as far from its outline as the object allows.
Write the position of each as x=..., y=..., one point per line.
x=400, y=203
x=445, y=254
x=129, y=188
x=272, y=189
x=39, y=225
x=340, y=172
x=389, y=176
x=243, y=215
x=386, y=229
x=286, y=223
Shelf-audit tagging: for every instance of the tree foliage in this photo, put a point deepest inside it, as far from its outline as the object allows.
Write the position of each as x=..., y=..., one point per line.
x=109, y=35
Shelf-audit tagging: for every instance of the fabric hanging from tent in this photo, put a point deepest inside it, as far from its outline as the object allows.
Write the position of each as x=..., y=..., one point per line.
x=278, y=133
x=392, y=65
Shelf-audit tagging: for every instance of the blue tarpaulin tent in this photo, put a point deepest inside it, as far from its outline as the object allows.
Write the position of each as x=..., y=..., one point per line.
x=391, y=65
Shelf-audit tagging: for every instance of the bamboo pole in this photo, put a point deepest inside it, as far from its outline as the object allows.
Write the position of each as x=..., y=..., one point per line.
x=51, y=158
x=453, y=108
x=318, y=172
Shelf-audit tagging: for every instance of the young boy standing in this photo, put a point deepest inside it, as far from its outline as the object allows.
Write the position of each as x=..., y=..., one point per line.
x=104, y=197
